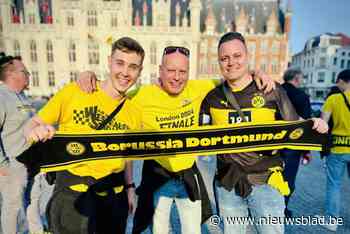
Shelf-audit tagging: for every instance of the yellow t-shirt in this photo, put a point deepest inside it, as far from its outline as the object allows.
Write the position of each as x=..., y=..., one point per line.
x=161, y=111
x=77, y=112
x=340, y=113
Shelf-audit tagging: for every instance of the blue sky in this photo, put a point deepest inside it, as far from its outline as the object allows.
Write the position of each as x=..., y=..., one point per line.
x=314, y=17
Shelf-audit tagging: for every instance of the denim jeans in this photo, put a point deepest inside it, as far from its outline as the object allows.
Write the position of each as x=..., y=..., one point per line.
x=39, y=197
x=12, y=188
x=189, y=211
x=291, y=159
x=263, y=202
x=336, y=164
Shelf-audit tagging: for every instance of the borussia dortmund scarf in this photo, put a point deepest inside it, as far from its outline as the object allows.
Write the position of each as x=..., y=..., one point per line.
x=65, y=151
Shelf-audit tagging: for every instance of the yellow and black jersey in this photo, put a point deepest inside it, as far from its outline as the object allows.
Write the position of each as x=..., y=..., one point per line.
x=77, y=112
x=257, y=107
x=161, y=111
x=335, y=104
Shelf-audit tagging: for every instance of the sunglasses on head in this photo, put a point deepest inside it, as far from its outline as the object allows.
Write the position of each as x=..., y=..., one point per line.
x=180, y=49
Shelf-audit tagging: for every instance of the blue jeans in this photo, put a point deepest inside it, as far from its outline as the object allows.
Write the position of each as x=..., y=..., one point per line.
x=336, y=164
x=291, y=159
x=189, y=211
x=263, y=202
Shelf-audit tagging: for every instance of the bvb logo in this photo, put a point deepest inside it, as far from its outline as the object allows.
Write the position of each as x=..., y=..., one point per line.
x=296, y=134
x=75, y=148
x=258, y=101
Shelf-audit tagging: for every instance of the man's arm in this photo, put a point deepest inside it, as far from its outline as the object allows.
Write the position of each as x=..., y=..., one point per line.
x=326, y=116
x=87, y=81
x=3, y=158
x=130, y=186
x=288, y=112
x=36, y=130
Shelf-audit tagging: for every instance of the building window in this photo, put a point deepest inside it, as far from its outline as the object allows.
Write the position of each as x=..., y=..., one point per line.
x=16, y=48
x=33, y=52
x=263, y=47
x=335, y=61
x=49, y=51
x=274, y=66
x=342, y=63
x=70, y=19
x=323, y=62
x=334, y=79
x=348, y=65
x=93, y=52
x=31, y=19
x=343, y=53
x=35, y=79
x=51, y=78
x=73, y=76
x=202, y=65
x=275, y=47
x=92, y=18
x=319, y=94
x=72, y=52
x=312, y=62
x=251, y=50
x=321, y=77
x=263, y=65
x=114, y=20
x=153, y=53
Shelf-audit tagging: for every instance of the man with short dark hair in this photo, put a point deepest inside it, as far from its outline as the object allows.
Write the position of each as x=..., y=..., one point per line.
x=15, y=110
x=301, y=102
x=241, y=182
x=337, y=106
x=93, y=196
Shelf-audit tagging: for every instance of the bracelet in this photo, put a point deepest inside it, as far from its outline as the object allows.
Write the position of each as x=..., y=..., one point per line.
x=132, y=185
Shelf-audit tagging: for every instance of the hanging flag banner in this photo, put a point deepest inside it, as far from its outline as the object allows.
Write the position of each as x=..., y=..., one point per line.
x=66, y=150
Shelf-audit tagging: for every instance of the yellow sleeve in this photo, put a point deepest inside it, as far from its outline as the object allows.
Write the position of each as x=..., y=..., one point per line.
x=139, y=98
x=135, y=116
x=329, y=104
x=53, y=109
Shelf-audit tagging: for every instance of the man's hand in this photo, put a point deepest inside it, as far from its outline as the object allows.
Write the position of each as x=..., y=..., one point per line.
x=320, y=125
x=42, y=133
x=131, y=200
x=263, y=81
x=87, y=81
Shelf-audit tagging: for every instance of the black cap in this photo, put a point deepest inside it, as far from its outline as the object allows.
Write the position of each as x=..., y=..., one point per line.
x=230, y=36
x=5, y=58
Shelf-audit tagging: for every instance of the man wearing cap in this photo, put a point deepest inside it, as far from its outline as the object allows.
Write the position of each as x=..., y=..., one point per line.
x=15, y=109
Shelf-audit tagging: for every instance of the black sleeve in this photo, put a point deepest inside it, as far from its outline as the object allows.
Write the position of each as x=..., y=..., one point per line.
x=204, y=113
x=305, y=111
x=285, y=107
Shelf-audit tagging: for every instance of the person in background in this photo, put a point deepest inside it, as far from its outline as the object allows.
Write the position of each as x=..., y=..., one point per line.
x=337, y=106
x=15, y=110
x=301, y=102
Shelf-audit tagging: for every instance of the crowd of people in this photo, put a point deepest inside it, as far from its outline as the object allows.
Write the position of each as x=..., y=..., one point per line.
x=97, y=196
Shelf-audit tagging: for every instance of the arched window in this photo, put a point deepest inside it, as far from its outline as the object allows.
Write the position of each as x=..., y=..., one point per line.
x=33, y=52
x=49, y=51
x=93, y=52
x=72, y=52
